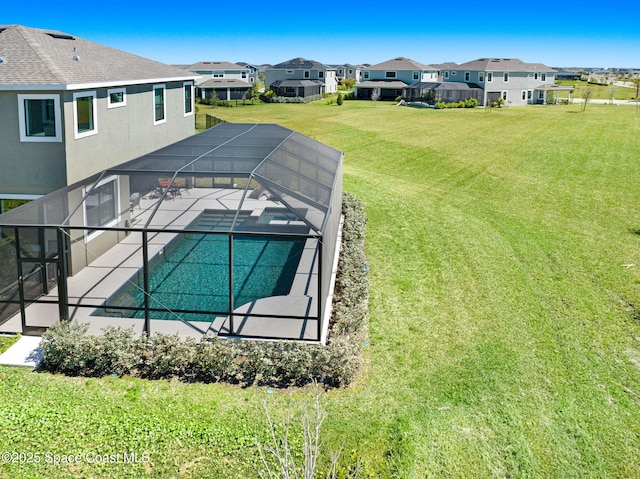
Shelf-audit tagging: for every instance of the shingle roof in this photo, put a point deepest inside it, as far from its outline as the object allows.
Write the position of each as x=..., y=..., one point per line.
x=401, y=63
x=302, y=64
x=224, y=82
x=503, y=64
x=57, y=60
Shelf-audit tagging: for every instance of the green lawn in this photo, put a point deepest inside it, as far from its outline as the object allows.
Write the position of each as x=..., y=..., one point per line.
x=504, y=252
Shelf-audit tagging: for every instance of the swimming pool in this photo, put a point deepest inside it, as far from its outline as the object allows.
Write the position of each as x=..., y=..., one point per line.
x=190, y=280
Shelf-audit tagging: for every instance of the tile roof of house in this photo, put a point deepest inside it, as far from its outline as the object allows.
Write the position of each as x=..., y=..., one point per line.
x=302, y=64
x=50, y=59
x=215, y=66
x=401, y=63
x=503, y=64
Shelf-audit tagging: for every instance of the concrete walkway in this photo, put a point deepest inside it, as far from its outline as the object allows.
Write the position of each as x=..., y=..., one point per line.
x=25, y=352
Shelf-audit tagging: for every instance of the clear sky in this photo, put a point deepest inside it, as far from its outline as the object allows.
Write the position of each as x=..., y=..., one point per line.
x=568, y=34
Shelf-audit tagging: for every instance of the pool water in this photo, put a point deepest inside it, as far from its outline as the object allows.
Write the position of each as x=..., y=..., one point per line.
x=190, y=281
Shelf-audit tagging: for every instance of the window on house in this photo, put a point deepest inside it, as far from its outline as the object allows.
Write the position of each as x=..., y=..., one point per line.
x=446, y=74
x=84, y=114
x=116, y=97
x=453, y=73
x=244, y=75
x=39, y=117
x=505, y=77
x=307, y=74
x=390, y=74
x=350, y=72
x=218, y=74
x=101, y=206
x=365, y=75
x=535, y=76
x=467, y=76
x=188, y=99
x=320, y=74
x=529, y=94
x=416, y=75
x=543, y=77
x=504, y=95
x=524, y=95
x=489, y=76
x=289, y=72
x=159, y=107
x=541, y=95
x=481, y=77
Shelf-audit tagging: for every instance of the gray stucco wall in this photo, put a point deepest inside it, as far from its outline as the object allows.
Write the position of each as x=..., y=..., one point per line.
x=27, y=168
x=125, y=132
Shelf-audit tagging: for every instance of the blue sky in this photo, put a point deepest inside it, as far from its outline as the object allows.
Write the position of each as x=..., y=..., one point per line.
x=562, y=34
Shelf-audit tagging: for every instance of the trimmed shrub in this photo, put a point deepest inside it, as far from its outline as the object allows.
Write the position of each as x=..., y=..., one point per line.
x=68, y=349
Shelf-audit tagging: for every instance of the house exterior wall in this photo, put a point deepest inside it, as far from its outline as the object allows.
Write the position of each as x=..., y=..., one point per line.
x=407, y=76
x=29, y=168
x=123, y=133
x=328, y=77
x=243, y=74
x=518, y=88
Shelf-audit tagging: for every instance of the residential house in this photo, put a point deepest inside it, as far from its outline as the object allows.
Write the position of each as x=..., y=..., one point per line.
x=348, y=71
x=223, y=80
x=516, y=82
x=299, y=77
x=254, y=71
x=387, y=79
x=70, y=108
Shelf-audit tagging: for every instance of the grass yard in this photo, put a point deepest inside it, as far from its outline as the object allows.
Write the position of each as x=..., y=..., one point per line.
x=504, y=253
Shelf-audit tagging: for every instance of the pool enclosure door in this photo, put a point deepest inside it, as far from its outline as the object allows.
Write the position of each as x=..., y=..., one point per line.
x=38, y=254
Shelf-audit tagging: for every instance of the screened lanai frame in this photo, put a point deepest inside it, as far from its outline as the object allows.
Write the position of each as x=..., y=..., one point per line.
x=260, y=184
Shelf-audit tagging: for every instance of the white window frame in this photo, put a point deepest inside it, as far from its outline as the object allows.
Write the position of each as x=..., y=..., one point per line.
x=94, y=111
x=416, y=75
x=162, y=87
x=529, y=94
x=90, y=236
x=535, y=76
x=489, y=77
x=110, y=104
x=453, y=73
x=185, y=85
x=524, y=95
x=505, y=95
x=57, y=118
x=390, y=74
x=543, y=77
x=446, y=74
x=467, y=76
x=365, y=75
x=505, y=77
x=481, y=77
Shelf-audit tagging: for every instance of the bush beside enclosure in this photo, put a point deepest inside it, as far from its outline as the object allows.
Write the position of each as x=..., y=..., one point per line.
x=68, y=349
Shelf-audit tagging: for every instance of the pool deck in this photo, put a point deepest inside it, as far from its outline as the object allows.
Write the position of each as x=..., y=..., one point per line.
x=111, y=270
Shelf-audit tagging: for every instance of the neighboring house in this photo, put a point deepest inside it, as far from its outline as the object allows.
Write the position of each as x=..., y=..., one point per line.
x=447, y=92
x=300, y=78
x=516, y=82
x=387, y=79
x=254, y=71
x=348, y=71
x=70, y=108
x=562, y=74
x=224, y=80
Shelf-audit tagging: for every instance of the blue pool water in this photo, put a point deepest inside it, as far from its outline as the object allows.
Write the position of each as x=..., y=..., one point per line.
x=193, y=274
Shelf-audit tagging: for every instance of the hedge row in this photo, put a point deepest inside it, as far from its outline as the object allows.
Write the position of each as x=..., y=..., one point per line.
x=68, y=349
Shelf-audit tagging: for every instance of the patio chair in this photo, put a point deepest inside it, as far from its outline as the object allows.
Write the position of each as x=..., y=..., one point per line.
x=134, y=200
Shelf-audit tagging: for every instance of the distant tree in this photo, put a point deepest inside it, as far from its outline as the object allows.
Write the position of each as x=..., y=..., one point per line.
x=375, y=94
x=348, y=83
x=586, y=94
x=636, y=83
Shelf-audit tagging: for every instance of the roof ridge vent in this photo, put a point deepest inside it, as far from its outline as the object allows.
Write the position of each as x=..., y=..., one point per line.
x=61, y=36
